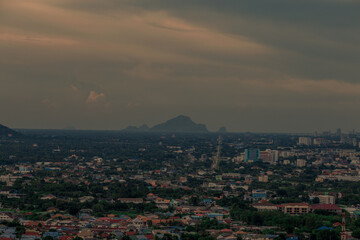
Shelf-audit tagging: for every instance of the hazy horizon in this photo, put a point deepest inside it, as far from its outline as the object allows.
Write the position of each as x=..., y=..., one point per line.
x=258, y=66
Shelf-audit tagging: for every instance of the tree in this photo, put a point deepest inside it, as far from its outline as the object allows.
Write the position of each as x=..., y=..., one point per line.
x=356, y=233
x=327, y=235
x=125, y=237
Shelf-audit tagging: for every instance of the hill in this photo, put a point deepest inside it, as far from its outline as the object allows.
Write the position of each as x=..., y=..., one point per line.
x=180, y=124
x=7, y=132
x=222, y=130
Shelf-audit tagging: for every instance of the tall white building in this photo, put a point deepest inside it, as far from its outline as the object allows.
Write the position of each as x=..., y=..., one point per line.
x=326, y=199
x=274, y=155
x=305, y=141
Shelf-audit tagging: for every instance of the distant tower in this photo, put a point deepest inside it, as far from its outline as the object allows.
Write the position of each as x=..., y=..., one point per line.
x=338, y=132
x=343, y=233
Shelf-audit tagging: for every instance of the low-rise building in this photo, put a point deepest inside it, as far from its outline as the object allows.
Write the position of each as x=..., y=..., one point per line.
x=294, y=208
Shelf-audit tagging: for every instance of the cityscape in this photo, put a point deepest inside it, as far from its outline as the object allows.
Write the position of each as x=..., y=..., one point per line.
x=179, y=120
x=73, y=184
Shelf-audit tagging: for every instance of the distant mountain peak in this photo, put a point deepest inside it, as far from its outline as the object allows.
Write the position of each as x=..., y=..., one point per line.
x=180, y=123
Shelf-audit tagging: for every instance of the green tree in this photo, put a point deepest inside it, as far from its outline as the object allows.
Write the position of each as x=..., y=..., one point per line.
x=327, y=235
x=356, y=233
x=125, y=237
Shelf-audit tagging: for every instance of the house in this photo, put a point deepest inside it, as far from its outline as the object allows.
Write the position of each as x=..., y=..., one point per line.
x=259, y=194
x=151, y=197
x=31, y=235
x=255, y=237
x=86, y=198
x=52, y=209
x=291, y=237
x=4, y=216
x=131, y=200
x=324, y=198
x=7, y=233
x=48, y=197
x=86, y=234
x=217, y=216
x=54, y=235
x=174, y=203
x=138, y=223
x=264, y=205
x=162, y=203
x=207, y=201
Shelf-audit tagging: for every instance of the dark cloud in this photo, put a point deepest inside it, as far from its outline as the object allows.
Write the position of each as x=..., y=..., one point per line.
x=278, y=65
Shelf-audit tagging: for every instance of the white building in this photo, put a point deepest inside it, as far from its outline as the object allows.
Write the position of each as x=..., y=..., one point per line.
x=305, y=141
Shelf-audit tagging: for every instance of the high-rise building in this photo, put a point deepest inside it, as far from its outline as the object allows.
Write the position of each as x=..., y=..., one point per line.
x=270, y=156
x=252, y=155
x=326, y=199
x=338, y=132
x=274, y=156
x=265, y=156
x=305, y=141
x=300, y=162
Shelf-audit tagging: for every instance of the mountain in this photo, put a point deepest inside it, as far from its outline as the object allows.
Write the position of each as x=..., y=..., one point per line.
x=180, y=124
x=222, y=130
x=7, y=132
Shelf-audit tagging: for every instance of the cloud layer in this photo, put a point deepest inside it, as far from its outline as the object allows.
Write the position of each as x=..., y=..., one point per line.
x=250, y=65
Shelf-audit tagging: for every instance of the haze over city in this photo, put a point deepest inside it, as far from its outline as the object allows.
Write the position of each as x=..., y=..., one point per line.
x=261, y=66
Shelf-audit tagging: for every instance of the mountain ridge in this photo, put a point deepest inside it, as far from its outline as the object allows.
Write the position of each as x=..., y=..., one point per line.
x=179, y=124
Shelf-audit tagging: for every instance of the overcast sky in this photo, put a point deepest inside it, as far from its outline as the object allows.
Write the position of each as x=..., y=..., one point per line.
x=249, y=65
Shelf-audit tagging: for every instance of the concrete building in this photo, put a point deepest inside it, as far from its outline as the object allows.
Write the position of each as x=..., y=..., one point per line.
x=263, y=178
x=259, y=194
x=264, y=205
x=252, y=155
x=307, y=141
x=300, y=162
x=294, y=208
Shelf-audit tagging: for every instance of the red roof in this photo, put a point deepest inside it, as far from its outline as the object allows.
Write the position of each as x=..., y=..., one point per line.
x=104, y=235
x=130, y=233
x=31, y=234
x=66, y=237
x=325, y=207
x=293, y=204
x=149, y=236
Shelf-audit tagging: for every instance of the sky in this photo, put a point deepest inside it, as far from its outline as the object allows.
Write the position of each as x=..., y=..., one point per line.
x=249, y=65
